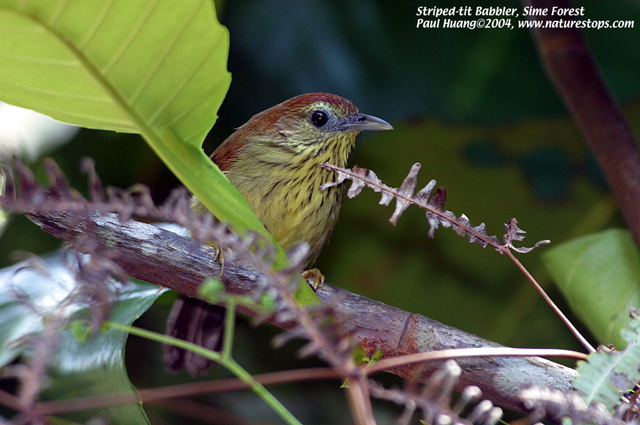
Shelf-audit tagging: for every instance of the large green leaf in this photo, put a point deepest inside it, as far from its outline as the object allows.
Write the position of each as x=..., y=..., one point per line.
x=116, y=65
x=78, y=368
x=157, y=68
x=96, y=366
x=599, y=275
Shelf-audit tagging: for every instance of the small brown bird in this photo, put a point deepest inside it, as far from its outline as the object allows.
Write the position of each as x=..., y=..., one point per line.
x=274, y=162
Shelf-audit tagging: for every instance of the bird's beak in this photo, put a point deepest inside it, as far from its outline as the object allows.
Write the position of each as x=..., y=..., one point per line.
x=360, y=122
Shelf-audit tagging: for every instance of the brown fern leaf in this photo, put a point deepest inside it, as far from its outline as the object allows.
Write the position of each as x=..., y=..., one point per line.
x=406, y=191
x=434, y=205
x=434, y=400
x=96, y=191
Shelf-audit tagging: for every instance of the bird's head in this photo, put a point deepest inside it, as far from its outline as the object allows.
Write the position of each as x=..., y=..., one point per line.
x=306, y=126
x=316, y=122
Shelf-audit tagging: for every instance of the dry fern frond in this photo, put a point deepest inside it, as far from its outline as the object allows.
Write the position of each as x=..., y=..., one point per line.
x=435, y=397
x=438, y=216
x=433, y=204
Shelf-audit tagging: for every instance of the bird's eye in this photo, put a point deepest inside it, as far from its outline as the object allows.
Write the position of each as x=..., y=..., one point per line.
x=319, y=118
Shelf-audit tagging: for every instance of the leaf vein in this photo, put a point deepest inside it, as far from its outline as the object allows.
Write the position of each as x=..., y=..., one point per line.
x=180, y=88
x=93, y=30
x=162, y=57
x=118, y=54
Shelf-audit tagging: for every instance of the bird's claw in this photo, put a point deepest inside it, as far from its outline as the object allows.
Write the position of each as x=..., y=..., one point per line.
x=314, y=277
x=219, y=256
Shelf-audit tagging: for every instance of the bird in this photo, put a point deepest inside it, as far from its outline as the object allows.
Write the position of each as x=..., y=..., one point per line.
x=274, y=162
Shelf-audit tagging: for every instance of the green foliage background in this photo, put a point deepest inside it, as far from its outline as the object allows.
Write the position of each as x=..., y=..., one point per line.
x=474, y=107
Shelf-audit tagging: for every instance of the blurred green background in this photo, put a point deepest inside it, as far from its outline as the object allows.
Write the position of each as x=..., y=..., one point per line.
x=474, y=107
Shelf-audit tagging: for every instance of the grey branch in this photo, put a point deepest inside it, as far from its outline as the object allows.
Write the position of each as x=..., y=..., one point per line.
x=177, y=262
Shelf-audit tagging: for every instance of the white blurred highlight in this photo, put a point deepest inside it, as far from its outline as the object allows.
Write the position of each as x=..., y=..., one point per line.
x=28, y=134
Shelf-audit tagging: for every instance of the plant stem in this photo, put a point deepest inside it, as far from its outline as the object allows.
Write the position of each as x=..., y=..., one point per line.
x=577, y=77
x=550, y=302
x=230, y=364
x=229, y=327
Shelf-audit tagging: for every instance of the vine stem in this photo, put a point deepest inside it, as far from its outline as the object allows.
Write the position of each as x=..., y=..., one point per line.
x=229, y=364
x=550, y=302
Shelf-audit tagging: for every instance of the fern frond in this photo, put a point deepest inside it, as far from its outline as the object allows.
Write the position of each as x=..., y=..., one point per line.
x=433, y=204
x=435, y=399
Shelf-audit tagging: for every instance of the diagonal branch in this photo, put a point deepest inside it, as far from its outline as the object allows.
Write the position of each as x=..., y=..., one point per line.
x=576, y=75
x=180, y=263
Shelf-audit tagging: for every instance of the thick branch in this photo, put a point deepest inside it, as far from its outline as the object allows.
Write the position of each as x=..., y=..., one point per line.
x=577, y=78
x=177, y=262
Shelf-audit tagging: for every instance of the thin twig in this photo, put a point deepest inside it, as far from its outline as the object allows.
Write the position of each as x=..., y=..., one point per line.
x=550, y=302
x=458, y=353
x=360, y=401
x=159, y=394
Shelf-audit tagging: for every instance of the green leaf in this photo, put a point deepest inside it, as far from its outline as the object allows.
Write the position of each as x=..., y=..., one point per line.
x=599, y=275
x=116, y=65
x=90, y=365
x=19, y=300
x=95, y=366
x=4, y=220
